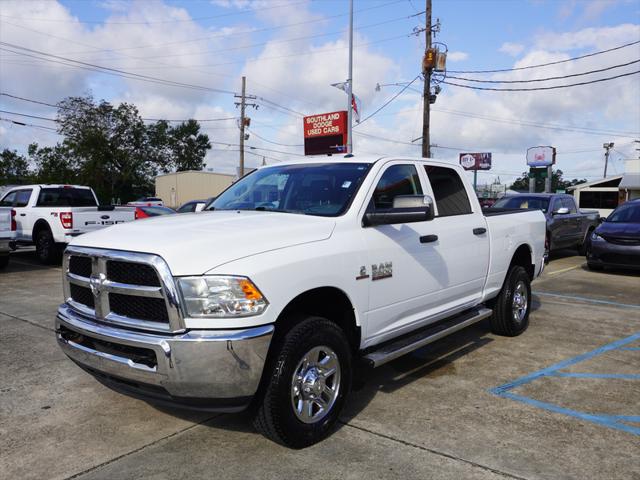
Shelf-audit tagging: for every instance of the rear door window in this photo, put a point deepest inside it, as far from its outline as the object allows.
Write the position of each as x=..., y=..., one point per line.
x=450, y=195
x=22, y=197
x=66, y=197
x=8, y=199
x=396, y=180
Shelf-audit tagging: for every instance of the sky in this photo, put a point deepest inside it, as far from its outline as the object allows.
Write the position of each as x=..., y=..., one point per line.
x=185, y=59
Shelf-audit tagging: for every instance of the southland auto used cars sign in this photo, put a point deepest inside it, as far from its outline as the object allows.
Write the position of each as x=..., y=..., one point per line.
x=325, y=133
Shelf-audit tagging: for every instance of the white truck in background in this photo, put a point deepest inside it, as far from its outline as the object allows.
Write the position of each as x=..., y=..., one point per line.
x=50, y=216
x=7, y=234
x=295, y=272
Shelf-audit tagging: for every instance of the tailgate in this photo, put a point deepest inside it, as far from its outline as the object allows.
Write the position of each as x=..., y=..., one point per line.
x=5, y=223
x=90, y=218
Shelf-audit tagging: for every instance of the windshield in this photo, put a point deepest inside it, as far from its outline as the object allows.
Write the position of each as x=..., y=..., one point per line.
x=310, y=189
x=523, y=202
x=628, y=213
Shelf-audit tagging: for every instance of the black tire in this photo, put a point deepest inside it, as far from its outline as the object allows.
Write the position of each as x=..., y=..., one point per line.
x=505, y=321
x=276, y=417
x=583, y=248
x=595, y=267
x=4, y=261
x=46, y=249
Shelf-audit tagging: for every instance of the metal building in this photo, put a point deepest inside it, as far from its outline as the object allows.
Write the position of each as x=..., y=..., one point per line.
x=177, y=188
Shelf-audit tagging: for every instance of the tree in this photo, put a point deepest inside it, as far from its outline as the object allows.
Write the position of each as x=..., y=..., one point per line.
x=557, y=182
x=188, y=146
x=118, y=154
x=53, y=164
x=14, y=168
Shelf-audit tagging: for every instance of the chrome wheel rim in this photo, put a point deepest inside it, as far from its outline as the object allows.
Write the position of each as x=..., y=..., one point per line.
x=315, y=384
x=520, y=302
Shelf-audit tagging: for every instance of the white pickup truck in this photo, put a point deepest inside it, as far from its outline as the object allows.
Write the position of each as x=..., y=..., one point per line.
x=50, y=216
x=7, y=234
x=298, y=271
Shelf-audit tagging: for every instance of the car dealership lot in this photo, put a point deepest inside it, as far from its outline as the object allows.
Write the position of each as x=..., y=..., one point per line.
x=547, y=404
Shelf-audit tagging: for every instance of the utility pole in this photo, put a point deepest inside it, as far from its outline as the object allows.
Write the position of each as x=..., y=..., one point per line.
x=607, y=147
x=244, y=121
x=350, y=84
x=426, y=93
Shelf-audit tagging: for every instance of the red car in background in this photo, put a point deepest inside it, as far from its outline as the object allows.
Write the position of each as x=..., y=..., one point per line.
x=152, y=211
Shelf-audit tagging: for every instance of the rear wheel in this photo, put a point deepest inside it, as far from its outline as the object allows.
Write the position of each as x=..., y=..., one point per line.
x=512, y=306
x=309, y=379
x=46, y=249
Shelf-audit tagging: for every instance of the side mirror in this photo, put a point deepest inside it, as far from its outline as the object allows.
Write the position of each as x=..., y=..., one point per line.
x=603, y=219
x=561, y=211
x=406, y=209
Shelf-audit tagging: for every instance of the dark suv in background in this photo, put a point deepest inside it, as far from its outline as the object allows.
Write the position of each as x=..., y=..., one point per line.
x=616, y=242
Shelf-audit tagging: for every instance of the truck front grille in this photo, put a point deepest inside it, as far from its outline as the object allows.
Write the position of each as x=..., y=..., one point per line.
x=149, y=309
x=132, y=273
x=82, y=295
x=133, y=290
x=80, y=266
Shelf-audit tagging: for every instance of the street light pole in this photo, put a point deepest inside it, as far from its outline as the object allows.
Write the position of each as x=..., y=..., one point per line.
x=607, y=147
x=350, y=84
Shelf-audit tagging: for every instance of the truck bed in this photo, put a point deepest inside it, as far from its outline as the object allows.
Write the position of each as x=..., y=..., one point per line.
x=492, y=212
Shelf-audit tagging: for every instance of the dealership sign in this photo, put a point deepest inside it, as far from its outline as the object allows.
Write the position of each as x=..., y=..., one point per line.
x=325, y=133
x=476, y=161
x=541, y=156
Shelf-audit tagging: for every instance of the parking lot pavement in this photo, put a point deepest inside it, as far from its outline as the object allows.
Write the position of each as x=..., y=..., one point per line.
x=471, y=406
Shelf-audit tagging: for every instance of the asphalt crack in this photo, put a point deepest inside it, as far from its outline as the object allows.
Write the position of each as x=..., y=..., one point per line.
x=436, y=452
x=139, y=449
x=27, y=321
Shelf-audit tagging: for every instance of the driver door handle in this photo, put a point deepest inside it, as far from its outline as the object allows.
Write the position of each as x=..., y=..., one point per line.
x=479, y=231
x=428, y=238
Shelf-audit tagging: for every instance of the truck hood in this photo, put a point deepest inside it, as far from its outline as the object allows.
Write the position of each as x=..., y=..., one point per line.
x=619, y=230
x=193, y=243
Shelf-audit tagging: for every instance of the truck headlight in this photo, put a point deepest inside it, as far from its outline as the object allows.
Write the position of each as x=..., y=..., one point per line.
x=213, y=296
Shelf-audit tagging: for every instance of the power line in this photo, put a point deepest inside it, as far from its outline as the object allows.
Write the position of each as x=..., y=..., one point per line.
x=275, y=143
x=388, y=101
x=232, y=34
x=549, y=63
x=272, y=42
x=15, y=122
x=112, y=71
x=548, y=78
x=143, y=118
x=257, y=148
x=541, y=88
x=29, y=116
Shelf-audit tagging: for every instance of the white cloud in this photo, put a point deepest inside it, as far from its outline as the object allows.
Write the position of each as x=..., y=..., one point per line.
x=510, y=48
x=457, y=56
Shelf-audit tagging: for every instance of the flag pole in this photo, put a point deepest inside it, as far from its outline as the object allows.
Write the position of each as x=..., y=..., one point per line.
x=350, y=84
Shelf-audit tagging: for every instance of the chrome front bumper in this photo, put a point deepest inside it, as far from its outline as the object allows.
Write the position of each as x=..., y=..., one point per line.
x=209, y=367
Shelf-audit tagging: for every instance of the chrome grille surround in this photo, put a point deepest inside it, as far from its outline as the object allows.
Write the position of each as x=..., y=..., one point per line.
x=101, y=287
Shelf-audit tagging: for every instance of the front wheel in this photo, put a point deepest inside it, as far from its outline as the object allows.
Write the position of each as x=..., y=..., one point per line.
x=309, y=379
x=513, y=304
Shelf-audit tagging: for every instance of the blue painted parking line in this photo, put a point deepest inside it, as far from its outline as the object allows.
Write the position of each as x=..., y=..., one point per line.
x=631, y=348
x=618, y=422
x=586, y=299
x=623, y=376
